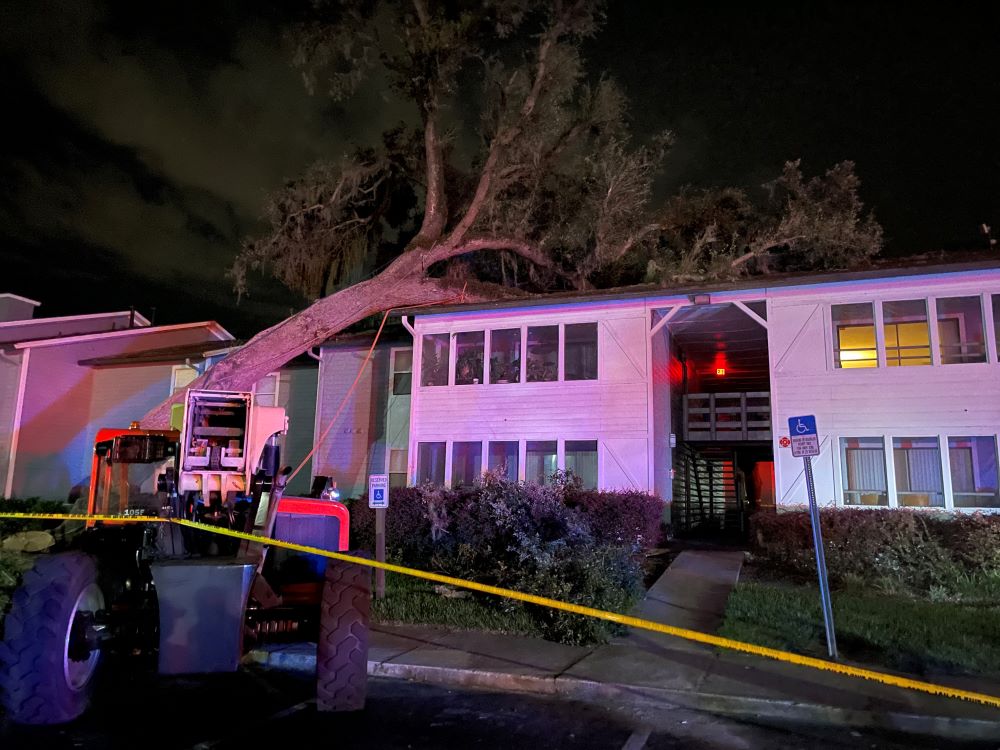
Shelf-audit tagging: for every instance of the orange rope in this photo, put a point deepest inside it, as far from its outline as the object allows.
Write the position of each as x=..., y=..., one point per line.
x=357, y=378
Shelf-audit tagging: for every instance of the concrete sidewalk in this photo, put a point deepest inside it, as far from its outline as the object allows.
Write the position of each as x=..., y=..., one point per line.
x=652, y=671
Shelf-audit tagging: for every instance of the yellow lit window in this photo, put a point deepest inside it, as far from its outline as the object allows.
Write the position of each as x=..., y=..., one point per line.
x=856, y=345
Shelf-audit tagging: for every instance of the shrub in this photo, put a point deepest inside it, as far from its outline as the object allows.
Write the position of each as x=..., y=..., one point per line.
x=620, y=517
x=554, y=540
x=913, y=551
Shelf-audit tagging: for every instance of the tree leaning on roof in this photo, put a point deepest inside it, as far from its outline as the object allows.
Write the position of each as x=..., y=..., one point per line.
x=556, y=194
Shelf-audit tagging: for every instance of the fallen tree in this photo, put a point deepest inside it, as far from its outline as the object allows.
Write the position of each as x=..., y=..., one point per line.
x=557, y=195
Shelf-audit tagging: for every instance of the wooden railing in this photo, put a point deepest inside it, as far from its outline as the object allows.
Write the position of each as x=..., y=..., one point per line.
x=727, y=416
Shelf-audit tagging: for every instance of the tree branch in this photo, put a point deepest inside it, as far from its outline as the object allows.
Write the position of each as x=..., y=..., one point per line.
x=525, y=249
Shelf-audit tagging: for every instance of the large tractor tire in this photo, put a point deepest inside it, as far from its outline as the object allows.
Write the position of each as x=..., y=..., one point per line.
x=46, y=672
x=342, y=651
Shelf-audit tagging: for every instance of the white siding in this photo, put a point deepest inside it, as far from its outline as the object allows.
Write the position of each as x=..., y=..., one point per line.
x=10, y=376
x=614, y=409
x=919, y=401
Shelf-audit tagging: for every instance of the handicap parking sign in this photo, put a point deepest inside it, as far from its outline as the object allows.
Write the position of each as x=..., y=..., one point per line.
x=378, y=491
x=803, y=435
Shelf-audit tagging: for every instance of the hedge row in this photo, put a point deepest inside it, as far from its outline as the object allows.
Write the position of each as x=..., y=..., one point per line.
x=555, y=540
x=912, y=550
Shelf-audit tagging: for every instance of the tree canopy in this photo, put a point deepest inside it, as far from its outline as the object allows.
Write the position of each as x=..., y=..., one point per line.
x=518, y=172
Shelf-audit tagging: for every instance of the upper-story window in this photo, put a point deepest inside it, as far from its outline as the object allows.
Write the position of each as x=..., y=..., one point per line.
x=907, y=337
x=505, y=356
x=470, y=348
x=960, y=329
x=854, y=335
x=581, y=351
x=402, y=372
x=543, y=353
x=434, y=359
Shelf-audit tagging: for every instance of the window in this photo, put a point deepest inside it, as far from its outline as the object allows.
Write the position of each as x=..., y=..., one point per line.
x=907, y=338
x=960, y=328
x=503, y=459
x=434, y=359
x=181, y=377
x=917, y=464
x=397, y=467
x=466, y=463
x=469, y=351
x=863, y=464
x=543, y=353
x=974, y=471
x=540, y=461
x=402, y=372
x=430, y=463
x=581, y=351
x=581, y=459
x=265, y=393
x=505, y=356
x=996, y=320
x=854, y=335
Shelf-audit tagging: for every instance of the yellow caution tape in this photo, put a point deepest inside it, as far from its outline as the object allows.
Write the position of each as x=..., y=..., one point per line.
x=635, y=622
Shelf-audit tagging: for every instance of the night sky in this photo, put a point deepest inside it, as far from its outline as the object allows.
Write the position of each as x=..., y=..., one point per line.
x=143, y=137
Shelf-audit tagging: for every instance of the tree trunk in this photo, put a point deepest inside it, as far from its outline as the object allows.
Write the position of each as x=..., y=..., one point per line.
x=399, y=286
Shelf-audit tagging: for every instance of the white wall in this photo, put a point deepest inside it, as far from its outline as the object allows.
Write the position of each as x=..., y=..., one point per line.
x=916, y=401
x=614, y=409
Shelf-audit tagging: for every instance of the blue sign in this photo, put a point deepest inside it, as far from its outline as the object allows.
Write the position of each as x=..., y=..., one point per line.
x=805, y=425
x=378, y=491
x=803, y=435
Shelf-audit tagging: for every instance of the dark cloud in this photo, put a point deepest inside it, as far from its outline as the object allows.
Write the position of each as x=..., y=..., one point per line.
x=155, y=132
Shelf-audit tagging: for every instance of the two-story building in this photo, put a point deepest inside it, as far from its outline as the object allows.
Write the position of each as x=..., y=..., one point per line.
x=687, y=392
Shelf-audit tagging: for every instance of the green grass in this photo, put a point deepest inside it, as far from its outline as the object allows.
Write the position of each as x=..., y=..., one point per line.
x=911, y=635
x=412, y=601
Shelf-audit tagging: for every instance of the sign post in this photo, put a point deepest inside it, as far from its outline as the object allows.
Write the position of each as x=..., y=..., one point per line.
x=804, y=438
x=378, y=499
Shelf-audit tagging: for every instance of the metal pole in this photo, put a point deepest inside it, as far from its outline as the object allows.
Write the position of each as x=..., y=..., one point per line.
x=824, y=585
x=380, y=552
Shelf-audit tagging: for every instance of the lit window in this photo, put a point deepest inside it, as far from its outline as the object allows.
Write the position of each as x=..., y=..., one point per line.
x=907, y=339
x=973, y=463
x=960, y=328
x=430, y=463
x=917, y=463
x=469, y=352
x=854, y=335
x=581, y=459
x=543, y=353
x=863, y=463
x=402, y=372
x=466, y=463
x=540, y=461
x=503, y=459
x=397, y=467
x=505, y=356
x=434, y=359
x=581, y=351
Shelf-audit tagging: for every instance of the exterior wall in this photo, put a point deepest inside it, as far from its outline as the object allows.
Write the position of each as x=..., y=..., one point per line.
x=297, y=394
x=614, y=410
x=355, y=444
x=10, y=378
x=13, y=307
x=938, y=400
x=66, y=403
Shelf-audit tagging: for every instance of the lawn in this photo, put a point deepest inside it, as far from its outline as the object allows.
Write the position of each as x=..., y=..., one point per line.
x=899, y=632
x=410, y=600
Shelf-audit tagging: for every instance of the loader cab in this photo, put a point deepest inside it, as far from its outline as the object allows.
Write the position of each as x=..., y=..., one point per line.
x=130, y=468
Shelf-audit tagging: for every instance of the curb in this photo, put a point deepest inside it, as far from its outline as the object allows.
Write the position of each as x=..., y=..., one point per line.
x=588, y=691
